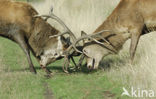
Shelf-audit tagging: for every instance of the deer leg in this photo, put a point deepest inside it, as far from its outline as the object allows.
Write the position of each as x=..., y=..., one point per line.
x=66, y=64
x=73, y=61
x=19, y=38
x=134, y=42
x=76, y=66
x=80, y=61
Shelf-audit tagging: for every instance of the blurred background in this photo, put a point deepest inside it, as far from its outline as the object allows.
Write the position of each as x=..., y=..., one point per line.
x=77, y=14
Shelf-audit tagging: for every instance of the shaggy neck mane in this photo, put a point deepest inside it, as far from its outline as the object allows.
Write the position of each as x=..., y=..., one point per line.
x=40, y=35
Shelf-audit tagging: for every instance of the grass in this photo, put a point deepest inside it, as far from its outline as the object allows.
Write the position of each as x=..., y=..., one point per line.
x=16, y=82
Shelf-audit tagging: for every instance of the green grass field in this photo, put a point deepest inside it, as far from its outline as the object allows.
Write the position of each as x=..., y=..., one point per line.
x=16, y=82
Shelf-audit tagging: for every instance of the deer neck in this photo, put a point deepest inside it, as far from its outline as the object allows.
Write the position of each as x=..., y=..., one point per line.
x=115, y=38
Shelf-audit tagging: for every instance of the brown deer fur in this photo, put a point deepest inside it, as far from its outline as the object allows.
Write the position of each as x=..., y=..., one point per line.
x=17, y=23
x=130, y=19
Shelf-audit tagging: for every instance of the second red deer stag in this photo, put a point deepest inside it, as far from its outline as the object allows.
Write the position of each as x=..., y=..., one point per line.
x=130, y=19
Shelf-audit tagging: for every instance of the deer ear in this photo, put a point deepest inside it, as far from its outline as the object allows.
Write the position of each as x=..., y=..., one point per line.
x=83, y=33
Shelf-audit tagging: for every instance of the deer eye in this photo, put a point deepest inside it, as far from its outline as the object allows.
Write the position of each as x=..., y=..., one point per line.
x=85, y=51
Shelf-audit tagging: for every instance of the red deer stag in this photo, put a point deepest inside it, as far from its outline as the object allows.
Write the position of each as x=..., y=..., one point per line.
x=21, y=23
x=130, y=19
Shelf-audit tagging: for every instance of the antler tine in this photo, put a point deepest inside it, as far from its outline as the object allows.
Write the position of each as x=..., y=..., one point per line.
x=63, y=24
x=93, y=39
x=112, y=49
x=67, y=30
x=98, y=34
x=60, y=34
